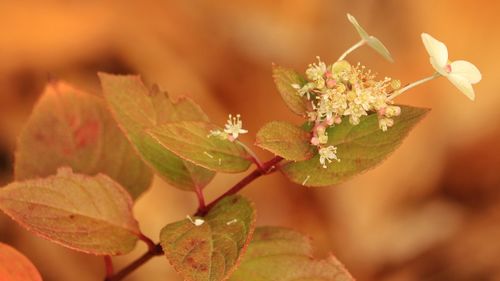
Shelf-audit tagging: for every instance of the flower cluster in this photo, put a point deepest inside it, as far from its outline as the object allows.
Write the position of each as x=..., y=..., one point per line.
x=232, y=129
x=342, y=90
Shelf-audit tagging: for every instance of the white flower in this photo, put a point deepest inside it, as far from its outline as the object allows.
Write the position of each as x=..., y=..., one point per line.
x=327, y=154
x=234, y=127
x=372, y=41
x=461, y=73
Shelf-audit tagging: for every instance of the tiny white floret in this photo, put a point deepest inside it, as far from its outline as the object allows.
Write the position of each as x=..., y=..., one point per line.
x=461, y=73
x=234, y=127
x=327, y=154
x=231, y=221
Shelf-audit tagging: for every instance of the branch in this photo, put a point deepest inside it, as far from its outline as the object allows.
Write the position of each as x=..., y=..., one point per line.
x=264, y=169
x=156, y=250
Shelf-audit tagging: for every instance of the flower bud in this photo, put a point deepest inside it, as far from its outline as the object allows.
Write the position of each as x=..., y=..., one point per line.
x=330, y=83
x=341, y=66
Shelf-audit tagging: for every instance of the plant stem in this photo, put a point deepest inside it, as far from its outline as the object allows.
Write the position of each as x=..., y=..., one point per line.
x=108, y=265
x=201, y=198
x=252, y=154
x=147, y=240
x=351, y=49
x=414, y=84
x=156, y=249
x=266, y=168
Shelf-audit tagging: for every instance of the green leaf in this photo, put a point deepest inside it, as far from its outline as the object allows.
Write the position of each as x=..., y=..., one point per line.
x=136, y=109
x=87, y=214
x=14, y=266
x=210, y=251
x=360, y=148
x=284, y=78
x=281, y=254
x=285, y=140
x=189, y=140
x=72, y=128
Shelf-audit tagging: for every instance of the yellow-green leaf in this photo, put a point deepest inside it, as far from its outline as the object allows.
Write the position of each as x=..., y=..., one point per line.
x=72, y=128
x=190, y=141
x=284, y=78
x=87, y=214
x=14, y=266
x=285, y=140
x=359, y=148
x=136, y=109
x=210, y=248
x=277, y=253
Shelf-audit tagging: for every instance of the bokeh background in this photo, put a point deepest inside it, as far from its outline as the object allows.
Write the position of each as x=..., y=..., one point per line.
x=430, y=212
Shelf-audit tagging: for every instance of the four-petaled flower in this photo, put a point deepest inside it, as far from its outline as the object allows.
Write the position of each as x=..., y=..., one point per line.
x=461, y=73
x=327, y=154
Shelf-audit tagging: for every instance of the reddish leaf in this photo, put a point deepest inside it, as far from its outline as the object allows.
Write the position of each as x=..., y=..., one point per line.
x=137, y=108
x=285, y=255
x=88, y=214
x=14, y=266
x=72, y=128
x=284, y=78
x=190, y=141
x=210, y=250
x=285, y=140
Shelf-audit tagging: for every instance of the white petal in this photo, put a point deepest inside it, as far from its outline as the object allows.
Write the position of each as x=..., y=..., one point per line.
x=375, y=43
x=467, y=70
x=463, y=85
x=436, y=49
x=361, y=31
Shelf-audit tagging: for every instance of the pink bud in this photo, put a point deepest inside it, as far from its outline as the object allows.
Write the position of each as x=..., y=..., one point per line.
x=315, y=141
x=230, y=138
x=381, y=112
x=338, y=120
x=328, y=74
x=331, y=83
x=329, y=121
x=320, y=128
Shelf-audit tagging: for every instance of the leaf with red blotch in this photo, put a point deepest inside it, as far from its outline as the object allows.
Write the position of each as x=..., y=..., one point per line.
x=14, y=266
x=277, y=253
x=210, y=248
x=87, y=214
x=72, y=128
x=137, y=108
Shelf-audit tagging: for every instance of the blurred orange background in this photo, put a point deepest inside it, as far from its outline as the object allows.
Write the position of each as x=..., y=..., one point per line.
x=430, y=212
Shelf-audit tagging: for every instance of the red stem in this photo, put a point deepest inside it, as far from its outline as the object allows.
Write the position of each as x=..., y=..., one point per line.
x=264, y=169
x=201, y=199
x=151, y=244
x=156, y=250
x=108, y=265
